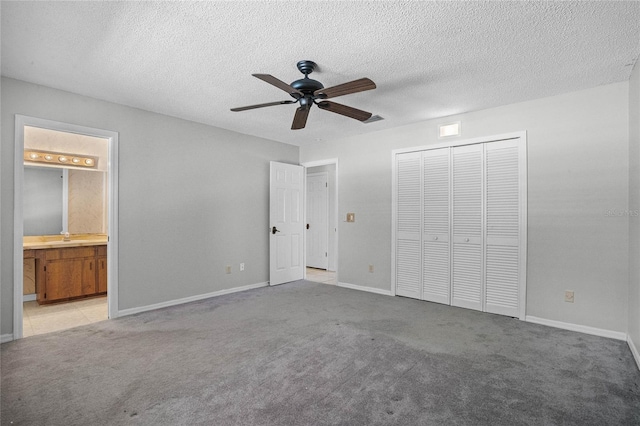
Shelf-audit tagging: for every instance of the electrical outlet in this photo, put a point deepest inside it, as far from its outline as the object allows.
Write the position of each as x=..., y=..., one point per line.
x=242, y=266
x=568, y=296
x=371, y=268
x=228, y=269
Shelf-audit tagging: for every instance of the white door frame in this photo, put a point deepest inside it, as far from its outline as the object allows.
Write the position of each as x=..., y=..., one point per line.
x=18, y=219
x=317, y=163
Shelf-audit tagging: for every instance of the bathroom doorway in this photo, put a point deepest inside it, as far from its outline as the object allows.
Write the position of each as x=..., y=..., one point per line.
x=65, y=226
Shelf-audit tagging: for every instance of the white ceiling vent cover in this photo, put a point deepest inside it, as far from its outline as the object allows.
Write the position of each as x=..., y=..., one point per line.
x=373, y=119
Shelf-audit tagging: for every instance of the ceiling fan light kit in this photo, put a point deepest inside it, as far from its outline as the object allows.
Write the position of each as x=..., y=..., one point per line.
x=307, y=92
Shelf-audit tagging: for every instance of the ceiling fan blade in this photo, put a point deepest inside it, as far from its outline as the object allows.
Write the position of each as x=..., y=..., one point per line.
x=300, y=119
x=354, y=86
x=347, y=111
x=262, y=105
x=279, y=84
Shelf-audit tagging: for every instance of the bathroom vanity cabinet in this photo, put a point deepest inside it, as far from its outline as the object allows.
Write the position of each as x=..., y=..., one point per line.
x=70, y=272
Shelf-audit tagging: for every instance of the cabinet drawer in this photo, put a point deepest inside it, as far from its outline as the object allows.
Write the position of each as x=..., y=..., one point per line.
x=70, y=253
x=101, y=250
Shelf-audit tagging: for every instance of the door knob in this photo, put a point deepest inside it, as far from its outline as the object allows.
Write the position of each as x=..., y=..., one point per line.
x=307, y=226
x=274, y=230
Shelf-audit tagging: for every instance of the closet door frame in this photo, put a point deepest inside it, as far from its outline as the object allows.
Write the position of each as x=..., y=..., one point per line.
x=522, y=167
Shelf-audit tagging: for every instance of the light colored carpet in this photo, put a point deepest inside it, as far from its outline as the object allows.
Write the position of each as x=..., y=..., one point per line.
x=314, y=354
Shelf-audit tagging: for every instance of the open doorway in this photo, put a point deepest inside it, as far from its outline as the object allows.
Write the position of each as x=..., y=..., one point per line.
x=321, y=213
x=65, y=226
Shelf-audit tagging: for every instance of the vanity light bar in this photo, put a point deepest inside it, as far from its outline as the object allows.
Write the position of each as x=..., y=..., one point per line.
x=60, y=158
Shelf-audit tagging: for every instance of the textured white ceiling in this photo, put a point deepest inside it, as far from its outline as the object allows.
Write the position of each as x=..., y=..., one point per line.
x=194, y=60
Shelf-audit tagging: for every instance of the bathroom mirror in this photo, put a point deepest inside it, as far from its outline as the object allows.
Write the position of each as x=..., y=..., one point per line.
x=58, y=199
x=43, y=200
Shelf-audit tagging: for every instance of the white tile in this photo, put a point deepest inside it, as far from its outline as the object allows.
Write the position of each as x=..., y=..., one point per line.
x=94, y=313
x=27, y=330
x=39, y=319
x=58, y=321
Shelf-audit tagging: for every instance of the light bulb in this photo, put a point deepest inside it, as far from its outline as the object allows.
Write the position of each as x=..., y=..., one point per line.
x=48, y=157
x=88, y=161
x=62, y=159
x=75, y=160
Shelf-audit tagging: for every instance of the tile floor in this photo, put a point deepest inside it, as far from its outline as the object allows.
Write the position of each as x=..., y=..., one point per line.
x=321, y=276
x=40, y=319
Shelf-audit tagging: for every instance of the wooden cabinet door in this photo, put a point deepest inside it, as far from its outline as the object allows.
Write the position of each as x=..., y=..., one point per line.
x=73, y=272
x=88, y=277
x=102, y=274
x=63, y=279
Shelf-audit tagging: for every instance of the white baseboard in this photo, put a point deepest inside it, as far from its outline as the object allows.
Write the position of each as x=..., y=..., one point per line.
x=618, y=335
x=28, y=297
x=363, y=288
x=4, y=338
x=168, y=303
x=634, y=351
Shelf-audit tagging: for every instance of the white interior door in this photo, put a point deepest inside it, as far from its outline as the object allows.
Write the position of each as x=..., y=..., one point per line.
x=460, y=225
x=286, y=219
x=317, y=220
x=436, y=280
x=468, y=201
x=408, y=230
x=503, y=227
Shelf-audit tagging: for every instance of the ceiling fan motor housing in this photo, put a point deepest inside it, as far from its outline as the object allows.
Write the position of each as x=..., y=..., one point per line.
x=307, y=85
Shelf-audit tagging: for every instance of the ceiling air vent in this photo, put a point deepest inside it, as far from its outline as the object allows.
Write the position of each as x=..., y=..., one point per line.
x=373, y=119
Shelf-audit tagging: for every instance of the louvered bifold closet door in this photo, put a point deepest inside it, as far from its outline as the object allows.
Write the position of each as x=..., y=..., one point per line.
x=502, y=227
x=436, y=281
x=408, y=259
x=467, y=227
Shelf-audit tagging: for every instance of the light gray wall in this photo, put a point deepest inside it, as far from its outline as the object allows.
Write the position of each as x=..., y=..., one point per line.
x=193, y=198
x=577, y=173
x=634, y=206
x=42, y=201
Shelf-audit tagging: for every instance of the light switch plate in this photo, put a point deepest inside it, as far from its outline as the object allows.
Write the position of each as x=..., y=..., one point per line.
x=351, y=217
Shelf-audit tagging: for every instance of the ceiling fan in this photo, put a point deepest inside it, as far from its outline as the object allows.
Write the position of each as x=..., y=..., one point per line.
x=307, y=92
